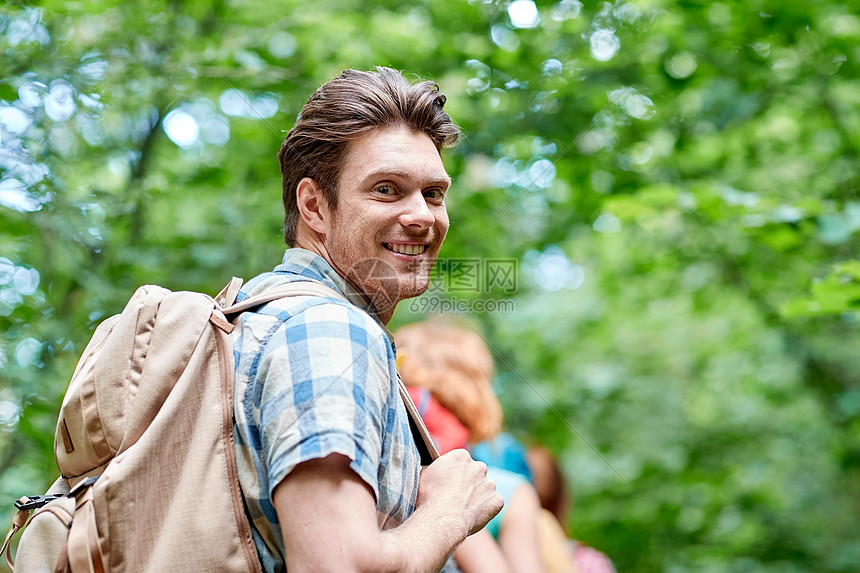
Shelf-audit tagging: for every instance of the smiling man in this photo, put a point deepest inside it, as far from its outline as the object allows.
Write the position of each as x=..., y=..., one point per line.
x=387, y=225
x=330, y=473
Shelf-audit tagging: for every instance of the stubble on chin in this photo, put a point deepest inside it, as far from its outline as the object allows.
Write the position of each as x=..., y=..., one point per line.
x=417, y=279
x=385, y=283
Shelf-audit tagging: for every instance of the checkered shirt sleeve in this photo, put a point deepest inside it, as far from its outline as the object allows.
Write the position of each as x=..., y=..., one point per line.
x=315, y=379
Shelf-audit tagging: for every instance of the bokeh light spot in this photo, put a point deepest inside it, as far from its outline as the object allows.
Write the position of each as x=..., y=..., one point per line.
x=282, y=45
x=182, y=128
x=607, y=223
x=681, y=65
x=13, y=195
x=28, y=352
x=523, y=14
x=60, y=103
x=604, y=44
x=639, y=106
x=504, y=38
x=13, y=119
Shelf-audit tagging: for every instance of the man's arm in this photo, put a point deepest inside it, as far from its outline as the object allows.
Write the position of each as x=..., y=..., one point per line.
x=329, y=521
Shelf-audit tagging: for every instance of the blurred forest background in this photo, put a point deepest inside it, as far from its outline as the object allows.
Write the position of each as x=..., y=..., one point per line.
x=677, y=182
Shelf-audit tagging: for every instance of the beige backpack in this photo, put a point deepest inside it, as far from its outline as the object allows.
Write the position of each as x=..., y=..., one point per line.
x=145, y=445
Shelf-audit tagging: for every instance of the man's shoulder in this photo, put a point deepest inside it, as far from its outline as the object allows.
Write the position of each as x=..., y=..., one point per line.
x=336, y=319
x=307, y=317
x=313, y=309
x=288, y=305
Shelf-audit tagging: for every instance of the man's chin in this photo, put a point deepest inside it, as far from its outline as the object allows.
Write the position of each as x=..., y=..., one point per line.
x=413, y=288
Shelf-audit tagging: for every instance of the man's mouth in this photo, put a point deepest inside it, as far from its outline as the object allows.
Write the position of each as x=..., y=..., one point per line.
x=405, y=249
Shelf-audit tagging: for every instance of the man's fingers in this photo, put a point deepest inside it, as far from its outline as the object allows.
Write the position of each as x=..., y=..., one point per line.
x=455, y=479
x=483, y=467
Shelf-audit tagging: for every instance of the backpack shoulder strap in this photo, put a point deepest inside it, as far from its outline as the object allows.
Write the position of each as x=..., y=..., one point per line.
x=227, y=296
x=420, y=434
x=19, y=520
x=296, y=288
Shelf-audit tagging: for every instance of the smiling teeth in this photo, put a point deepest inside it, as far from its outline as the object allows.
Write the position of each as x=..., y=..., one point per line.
x=407, y=249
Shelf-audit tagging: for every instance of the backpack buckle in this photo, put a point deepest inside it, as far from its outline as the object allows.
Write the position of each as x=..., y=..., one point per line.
x=28, y=503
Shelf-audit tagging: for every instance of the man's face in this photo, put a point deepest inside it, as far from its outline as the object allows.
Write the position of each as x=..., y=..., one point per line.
x=391, y=219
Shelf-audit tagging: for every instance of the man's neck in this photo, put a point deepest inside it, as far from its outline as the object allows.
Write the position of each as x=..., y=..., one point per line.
x=317, y=247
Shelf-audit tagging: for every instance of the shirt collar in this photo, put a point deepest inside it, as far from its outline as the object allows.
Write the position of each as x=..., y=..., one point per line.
x=298, y=261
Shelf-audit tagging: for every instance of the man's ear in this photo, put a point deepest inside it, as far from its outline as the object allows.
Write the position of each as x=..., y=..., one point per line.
x=313, y=206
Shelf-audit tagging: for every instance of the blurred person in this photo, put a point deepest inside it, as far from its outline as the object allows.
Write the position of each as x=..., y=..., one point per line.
x=549, y=482
x=447, y=370
x=503, y=451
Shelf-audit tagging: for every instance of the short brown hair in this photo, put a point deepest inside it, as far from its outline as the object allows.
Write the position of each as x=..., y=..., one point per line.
x=455, y=365
x=344, y=109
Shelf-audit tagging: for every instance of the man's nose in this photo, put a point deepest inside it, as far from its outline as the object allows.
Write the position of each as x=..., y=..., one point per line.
x=416, y=212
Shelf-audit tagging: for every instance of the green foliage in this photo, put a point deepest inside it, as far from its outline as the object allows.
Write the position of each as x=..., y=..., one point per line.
x=677, y=182
x=837, y=293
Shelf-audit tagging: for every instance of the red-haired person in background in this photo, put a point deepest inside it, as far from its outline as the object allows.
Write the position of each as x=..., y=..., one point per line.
x=447, y=370
x=549, y=482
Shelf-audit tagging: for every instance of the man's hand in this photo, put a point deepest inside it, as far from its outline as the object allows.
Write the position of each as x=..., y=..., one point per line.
x=456, y=488
x=329, y=521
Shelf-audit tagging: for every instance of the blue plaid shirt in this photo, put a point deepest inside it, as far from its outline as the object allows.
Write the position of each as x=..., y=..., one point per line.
x=316, y=376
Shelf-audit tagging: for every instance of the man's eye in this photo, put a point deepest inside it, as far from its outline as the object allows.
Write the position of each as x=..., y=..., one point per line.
x=437, y=194
x=385, y=190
